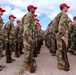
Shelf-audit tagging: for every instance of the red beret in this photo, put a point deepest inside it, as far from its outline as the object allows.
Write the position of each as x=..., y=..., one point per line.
x=2, y=10
x=31, y=6
x=36, y=19
x=17, y=21
x=69, y=21
x=74, y=17
x=12, y=16
x=64, y=5
x=38, y=24
x=34, y=15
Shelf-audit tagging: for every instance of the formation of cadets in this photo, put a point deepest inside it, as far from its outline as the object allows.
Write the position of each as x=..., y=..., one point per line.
x=27, y=35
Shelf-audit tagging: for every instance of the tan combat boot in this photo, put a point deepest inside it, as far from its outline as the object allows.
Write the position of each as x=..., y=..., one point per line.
x=1, y=66
x=60, y=66
x=27, y=67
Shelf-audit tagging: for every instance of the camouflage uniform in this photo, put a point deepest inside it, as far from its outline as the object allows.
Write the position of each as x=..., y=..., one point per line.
x=48, y=40
x=19, y=42
x=70, y=30
x=27, y=22
x=73, y=37
x=1, y=36
x=53, y=39
x=39, y=38
x=9, y=33
x=17, y=32
x=62, y=31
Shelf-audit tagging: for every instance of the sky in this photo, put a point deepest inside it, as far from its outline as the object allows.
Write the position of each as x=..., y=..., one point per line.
x=46, y=9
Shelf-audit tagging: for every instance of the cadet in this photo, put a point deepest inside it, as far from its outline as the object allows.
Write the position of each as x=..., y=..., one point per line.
x=1, y=35
x=62, y=34
x=28, y=22
x=69, y=34
x=9, y=35
x=73, y=37
x=18, y=40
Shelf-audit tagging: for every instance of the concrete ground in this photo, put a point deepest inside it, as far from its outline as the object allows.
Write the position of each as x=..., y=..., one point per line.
x=46, y=65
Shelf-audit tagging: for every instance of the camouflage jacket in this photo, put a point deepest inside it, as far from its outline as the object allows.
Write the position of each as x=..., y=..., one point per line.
x=9, y=30
x=28, y=22
x=18, y=32
x=1, y=29
x=63, y=25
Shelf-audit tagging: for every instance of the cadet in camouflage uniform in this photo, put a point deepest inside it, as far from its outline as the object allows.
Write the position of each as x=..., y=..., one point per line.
x=53, y=40
x=1, y=35
x=47, y=36
x=17, y=32
x=9, y=35
x=38, y=37
x=70, y=30
x=73, y=37
x=19, y=39
x=62, y=34
x=28, y=22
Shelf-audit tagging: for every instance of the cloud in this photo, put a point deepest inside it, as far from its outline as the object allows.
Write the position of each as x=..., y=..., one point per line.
x=45, y=7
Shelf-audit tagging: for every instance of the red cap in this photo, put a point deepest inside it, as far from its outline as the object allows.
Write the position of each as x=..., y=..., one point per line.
x=12, y=16
x=36, y=19
x=38, y=24
x=69, y=21
x=74, y=17
x=34, y=15
x=2, y=10
x=64, y=5
x=31, y=6
x=18, y=21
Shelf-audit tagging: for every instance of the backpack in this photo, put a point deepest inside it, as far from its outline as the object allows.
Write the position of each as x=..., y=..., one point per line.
x=55, y=23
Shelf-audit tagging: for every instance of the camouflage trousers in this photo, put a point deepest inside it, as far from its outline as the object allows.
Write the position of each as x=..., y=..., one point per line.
x=26, y=50
x=11, y=47
x=29, y=49
x=73, y=42
x=59, y=52
x=20, y=45
x=1, y=48
x=53, y=45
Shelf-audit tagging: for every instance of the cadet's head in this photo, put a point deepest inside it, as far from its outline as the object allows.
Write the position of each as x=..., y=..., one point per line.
x=64, y=7
x=12, y=17
x=1, y=11
x=18, y=22
x=74, y=18
x=31, y=8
